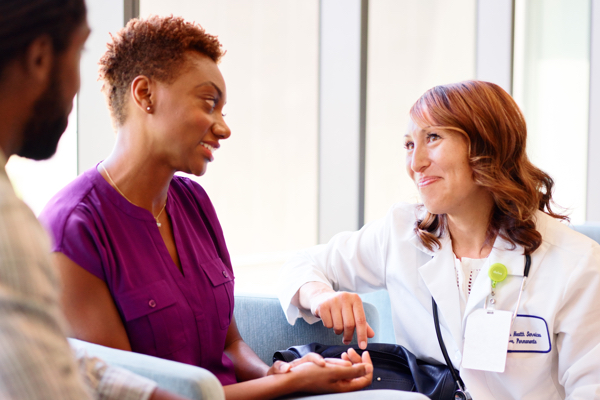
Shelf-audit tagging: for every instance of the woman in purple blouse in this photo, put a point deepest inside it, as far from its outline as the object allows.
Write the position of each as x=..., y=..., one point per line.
x=141, y=251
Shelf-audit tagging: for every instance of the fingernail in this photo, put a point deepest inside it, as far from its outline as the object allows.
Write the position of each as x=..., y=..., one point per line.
x=284, y=366
x=369, y=368
x=363, y=345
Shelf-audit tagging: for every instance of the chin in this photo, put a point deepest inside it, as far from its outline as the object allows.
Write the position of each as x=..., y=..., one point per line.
x=198, y=170
x=433, y=207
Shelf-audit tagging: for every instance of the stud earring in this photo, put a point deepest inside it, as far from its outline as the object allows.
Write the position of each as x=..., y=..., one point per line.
x=148, y=108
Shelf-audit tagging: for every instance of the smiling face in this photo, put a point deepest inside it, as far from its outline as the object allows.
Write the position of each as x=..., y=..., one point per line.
x=437, y=161
x=188, y=118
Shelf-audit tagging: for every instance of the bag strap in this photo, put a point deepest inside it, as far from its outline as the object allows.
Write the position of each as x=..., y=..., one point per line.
x=455, y=375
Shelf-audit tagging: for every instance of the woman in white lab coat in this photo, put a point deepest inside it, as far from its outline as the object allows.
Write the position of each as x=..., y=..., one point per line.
x=484, y=204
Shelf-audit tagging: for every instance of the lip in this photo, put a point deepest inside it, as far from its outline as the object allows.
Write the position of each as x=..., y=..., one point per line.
x=208, y=153
x=214, y=145
x=427, y=180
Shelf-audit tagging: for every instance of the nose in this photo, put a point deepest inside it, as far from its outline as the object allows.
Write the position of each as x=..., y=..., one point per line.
x=221, y=129
x=420, y=159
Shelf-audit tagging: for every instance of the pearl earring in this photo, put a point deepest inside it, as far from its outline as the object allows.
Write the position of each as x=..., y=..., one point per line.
x=148, y=108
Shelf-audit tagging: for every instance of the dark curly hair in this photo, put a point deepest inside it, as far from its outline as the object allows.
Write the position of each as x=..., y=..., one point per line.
x=22, y=21
x=154, y=47
x=496, y=134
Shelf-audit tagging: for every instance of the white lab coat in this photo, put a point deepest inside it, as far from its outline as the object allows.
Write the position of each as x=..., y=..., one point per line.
x=563, y=289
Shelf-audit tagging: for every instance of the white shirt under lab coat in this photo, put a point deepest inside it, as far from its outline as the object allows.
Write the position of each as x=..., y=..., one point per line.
x=562, y=293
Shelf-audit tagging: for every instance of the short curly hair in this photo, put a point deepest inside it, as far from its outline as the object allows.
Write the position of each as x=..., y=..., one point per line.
x=155, y=47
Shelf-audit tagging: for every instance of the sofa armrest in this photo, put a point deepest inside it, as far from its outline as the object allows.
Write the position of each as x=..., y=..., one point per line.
x=186, y=380
x=264, y=328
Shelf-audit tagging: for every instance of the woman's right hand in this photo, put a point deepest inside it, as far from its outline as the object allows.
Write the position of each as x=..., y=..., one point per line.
x=353, y=373
x=341, y=311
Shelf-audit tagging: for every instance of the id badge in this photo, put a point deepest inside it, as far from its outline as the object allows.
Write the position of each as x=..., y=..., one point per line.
x=486, y=340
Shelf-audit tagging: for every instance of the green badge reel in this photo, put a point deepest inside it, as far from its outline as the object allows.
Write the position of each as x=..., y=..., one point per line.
x=497, y=273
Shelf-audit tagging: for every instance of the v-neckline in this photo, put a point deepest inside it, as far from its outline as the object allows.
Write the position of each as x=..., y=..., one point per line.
x=173, y=268
x=145, y=215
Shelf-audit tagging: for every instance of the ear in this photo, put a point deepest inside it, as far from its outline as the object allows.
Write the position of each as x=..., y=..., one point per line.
x=142, y=92
x=38, y=61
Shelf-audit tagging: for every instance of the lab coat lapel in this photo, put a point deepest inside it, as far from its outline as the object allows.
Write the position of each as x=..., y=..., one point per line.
x=480, y=290
x=440, y=278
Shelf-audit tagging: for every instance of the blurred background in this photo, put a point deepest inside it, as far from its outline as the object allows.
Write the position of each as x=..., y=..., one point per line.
x=318, y=101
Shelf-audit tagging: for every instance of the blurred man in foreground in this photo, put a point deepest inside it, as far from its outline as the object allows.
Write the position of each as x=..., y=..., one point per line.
x=40, y=46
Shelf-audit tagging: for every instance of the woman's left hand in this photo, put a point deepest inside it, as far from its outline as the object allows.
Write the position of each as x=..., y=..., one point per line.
x=282, y=367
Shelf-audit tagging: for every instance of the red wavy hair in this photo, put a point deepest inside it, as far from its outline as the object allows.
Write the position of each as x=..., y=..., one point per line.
x=496, y=134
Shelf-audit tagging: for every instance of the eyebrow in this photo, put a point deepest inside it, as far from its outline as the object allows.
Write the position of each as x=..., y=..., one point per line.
x=209, y=83
x=425, y=129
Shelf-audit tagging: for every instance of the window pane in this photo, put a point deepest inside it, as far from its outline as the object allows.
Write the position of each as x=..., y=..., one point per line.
x=263, y=181
x=551, y=85
x=413, y=46
x=35, y=182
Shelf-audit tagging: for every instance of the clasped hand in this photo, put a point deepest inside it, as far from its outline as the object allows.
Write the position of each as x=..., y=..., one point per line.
x=315, y=374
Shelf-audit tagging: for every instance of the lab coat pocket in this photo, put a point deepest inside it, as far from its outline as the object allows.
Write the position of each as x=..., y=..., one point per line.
x=222, y=280
x=152, y=320
x=535, y=366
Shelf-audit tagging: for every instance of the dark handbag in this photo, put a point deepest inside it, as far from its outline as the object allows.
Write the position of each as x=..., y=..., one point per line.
x=394, y=368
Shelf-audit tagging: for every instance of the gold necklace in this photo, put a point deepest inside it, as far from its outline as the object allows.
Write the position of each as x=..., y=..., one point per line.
x=122, y=194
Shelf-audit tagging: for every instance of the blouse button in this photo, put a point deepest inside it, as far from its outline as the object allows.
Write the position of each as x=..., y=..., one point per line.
x=225, y=274
x=152, y=303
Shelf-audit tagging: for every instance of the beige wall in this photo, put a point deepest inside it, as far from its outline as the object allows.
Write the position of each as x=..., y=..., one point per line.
x=413, y=46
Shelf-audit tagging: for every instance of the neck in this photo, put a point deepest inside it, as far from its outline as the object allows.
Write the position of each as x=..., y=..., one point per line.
x=142, y=177
x=468, y=229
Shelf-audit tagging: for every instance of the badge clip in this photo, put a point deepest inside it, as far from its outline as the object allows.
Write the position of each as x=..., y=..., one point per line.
x=497, y=273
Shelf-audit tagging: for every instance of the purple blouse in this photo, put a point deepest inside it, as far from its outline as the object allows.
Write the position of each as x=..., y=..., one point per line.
x=178, y=316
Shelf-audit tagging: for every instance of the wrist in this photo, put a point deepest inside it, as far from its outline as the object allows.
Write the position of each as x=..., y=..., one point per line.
x=285, y=383
x=265, y=370
x=318, y=297
x=309, y=291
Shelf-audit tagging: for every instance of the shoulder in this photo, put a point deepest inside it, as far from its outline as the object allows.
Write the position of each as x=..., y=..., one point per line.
x=396, y=226
x=406, y=211
x=68, y=201
x=25, y=266
x=402, y=217
x=63, y=202
x=21, y=236
x=567, y=251
x=561, y=236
